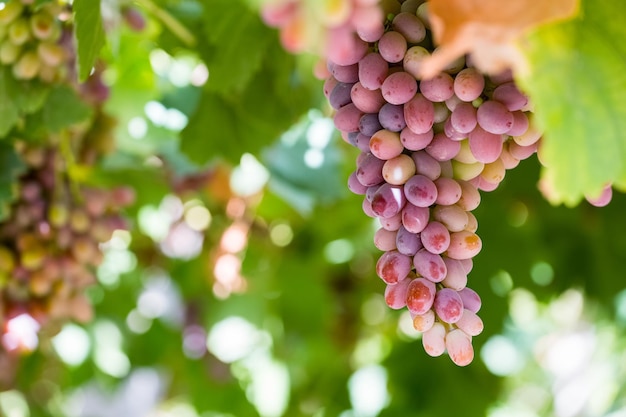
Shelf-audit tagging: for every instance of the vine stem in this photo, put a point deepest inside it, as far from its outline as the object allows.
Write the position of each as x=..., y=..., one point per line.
x=169, y=21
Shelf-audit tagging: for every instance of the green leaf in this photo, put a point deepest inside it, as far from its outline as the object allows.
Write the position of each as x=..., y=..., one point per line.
x=12, y=168
x=8, y=109
x=89, y=35
x=64, y=108
x=212, y=131
x=240, y=40
x=30, y=96
x=577, y=81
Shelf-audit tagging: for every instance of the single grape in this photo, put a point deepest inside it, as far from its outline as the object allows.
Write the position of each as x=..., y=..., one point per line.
x=433, y=339
x=442, y=148
x=469, y=84
x=391, y=117
x=426, y=165
x=448, y=305
x=386, y=144
x=398, y=170
x=420, y=295
x=470, y=323
x=456, y=277
x=414, y=141
x=429, y=265
x=464, y=245
x=385, y=240
x=424, y=322
x=373, y=71
x=419, y=114
x=485, y=146
x=392, y=46
x=388, y=200
x=399, y=87
x=406, y=242
x=420, y=191
x=409, y=26
x=396, y=294
x=393, y=267
x=471, y=299
x=453, y=217
x=494, y=117
x=368, y=101
x=459, y=347
x=415, y=218
x=439, y=88
x=435, y=237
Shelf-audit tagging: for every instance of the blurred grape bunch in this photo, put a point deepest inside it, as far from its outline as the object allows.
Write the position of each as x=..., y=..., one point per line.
x=30, y=39
x=50, y=241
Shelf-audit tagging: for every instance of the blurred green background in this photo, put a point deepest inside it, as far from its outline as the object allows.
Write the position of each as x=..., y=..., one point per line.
x=246, y=286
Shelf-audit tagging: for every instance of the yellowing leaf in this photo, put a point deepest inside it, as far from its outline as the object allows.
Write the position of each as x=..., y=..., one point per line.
x=488, y=29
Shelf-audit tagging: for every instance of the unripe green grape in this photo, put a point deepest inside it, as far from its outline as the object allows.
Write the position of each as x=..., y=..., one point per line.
x=10, y=12
x=19, y=32
x=3, y=31
x=7, y=262
x=9, y=52
x=27, y=67
x=58, y=215
x=33, y=259
x=42, y=25
x=49, y=74
x=50, y=53
x=79, y=221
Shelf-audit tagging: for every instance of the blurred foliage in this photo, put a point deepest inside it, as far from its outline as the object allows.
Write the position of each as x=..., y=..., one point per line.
x=286, y=259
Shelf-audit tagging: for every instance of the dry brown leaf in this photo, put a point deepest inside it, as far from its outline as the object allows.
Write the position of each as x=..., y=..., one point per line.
x=488, y=29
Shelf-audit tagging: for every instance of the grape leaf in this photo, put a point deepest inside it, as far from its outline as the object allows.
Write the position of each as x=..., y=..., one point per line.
x=64, y=108
x=89, y=35
x=8, y=109
x=240, y=40
x=577, y=81
x=486, y=28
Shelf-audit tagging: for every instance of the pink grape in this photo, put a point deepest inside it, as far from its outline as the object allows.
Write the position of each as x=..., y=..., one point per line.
x=362, y=141
x=470, y=323
x=451, y=132
x=508, y=160
x=424, y=322
x=407, y=243
x=386, y=144
x=393, y=267
x=420, y=191
x=471, y=299
x=459, y=347
x=370, y=170
x=368, y=28
x=448, y=191
x=391, y=117
x=368, y=101
x=448, y=305
x=463, y=118
x=385, y=240
x=435, y=237
x=522, y=152
x=470, y=197
x=414, y=218
x=453, y=217
x=398, y=170
x=442, y=148
x=472, y=226
x=467, y=264
x=485, y=146
x=520, y=124
x=529, y=137
x=494, y=117
x=469, y=84
x=419, y=114
x=396, y=294
x=409, y=26
x=392, y=223
x=347, y=73
x=388, y=200
x=392, y=46
x=439, y=88
x=415, y=141
x=464, y=245
x=344, y=47
x=456, y=277
x=367, y=208
x=420, y=295
x=426, y=165
x=355, y=186
x=399, y=87
x=347, y=118
x=329, y=85
x=509, y=95
x=493, y=172
x=373, y=70
x=433, y=340
x=429, y=265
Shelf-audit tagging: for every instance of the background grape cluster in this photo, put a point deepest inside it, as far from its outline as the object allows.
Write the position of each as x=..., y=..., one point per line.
x=50, y=242
x=428, y=146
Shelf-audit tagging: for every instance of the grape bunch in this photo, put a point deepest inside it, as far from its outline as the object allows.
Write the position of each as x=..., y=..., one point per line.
x=49, y=246
x=428, y=147
x=29, y=40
